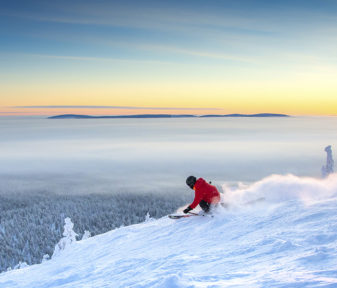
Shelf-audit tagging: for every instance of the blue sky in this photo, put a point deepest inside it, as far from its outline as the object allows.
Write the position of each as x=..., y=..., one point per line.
x=164, y=30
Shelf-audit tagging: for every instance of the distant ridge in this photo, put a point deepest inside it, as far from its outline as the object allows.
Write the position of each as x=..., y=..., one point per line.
x=248, y=115
x=76, y=116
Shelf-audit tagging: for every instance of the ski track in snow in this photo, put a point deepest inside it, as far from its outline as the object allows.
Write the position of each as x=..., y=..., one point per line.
x=287, y=243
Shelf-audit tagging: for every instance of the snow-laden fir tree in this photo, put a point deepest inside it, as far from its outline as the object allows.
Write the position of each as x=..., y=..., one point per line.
x=147, y=217
x=86, y=235
x=329, y=167
x=69, y=237
x=20, y=265
x=45, y=258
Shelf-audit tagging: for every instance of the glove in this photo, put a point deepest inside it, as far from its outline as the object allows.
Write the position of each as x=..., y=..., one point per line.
x=188, y=209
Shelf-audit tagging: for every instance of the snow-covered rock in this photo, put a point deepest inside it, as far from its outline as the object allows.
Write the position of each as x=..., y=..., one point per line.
x=278, y=232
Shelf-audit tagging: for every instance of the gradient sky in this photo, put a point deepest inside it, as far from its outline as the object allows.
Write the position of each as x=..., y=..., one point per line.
x=132, y=57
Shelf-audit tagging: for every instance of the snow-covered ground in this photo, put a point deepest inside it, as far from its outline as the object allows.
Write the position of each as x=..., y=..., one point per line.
x=279, y=232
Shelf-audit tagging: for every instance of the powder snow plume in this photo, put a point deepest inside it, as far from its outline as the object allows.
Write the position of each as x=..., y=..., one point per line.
x=280, y=188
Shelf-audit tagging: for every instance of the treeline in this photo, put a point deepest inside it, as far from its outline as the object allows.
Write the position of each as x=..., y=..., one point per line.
x=31, y=224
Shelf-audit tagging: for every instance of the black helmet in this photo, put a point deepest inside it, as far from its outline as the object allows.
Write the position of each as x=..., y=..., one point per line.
x=190, y=181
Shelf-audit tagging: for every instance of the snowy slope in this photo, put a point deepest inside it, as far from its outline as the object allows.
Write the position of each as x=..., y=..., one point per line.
x=279, y=232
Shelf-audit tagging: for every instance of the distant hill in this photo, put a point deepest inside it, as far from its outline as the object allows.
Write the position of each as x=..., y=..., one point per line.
x=248, y=115
x=75, y=116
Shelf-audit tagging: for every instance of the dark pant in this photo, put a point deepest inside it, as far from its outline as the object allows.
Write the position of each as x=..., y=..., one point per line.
x=204, y=205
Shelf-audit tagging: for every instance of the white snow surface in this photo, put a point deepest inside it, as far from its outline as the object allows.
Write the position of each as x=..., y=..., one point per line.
x=279, y=232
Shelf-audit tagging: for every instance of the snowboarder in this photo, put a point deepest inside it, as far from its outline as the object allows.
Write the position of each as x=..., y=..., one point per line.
x=205, y=194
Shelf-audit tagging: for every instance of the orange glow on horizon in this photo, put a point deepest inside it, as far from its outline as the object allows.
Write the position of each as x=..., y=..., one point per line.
x=296, y=96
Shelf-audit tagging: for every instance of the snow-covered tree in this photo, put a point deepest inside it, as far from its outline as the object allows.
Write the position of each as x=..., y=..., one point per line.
x=86, y=235
x=45, y=258
x=329, y=167
x=20, y=265
x=69, y=237
x=147, y=217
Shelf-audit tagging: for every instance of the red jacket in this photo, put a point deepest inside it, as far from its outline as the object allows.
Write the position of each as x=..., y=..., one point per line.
x=206, y=192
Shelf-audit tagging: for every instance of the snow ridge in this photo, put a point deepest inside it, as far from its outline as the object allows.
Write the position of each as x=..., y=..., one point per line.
x=278, y=232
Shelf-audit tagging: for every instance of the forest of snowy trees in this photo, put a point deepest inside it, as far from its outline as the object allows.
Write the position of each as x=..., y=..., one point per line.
x=31, y=224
